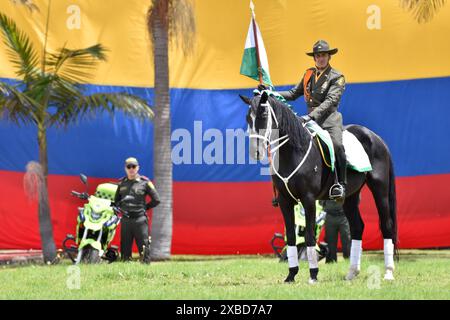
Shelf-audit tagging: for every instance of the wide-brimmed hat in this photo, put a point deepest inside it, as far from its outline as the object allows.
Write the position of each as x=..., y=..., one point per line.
x=322, y=46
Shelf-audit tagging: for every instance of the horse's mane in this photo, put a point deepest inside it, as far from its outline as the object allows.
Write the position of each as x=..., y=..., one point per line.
x=290, y=124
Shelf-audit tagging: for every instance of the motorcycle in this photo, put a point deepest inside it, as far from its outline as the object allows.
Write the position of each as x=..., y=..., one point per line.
x=97, y=222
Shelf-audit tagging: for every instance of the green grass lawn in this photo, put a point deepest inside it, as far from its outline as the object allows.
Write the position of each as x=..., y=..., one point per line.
x=419, y=275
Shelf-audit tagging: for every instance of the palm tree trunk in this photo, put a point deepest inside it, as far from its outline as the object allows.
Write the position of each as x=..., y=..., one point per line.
x=162, y=214
x=45, y=223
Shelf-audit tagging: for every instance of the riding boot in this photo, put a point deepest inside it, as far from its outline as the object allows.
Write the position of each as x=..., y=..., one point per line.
x=337, y=191
x=342, y=172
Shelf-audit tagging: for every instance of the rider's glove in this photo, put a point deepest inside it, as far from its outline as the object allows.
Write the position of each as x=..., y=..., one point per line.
x=262, y=87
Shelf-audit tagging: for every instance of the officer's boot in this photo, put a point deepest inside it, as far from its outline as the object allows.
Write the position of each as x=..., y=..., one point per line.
x=146, y=251
x=337, y=191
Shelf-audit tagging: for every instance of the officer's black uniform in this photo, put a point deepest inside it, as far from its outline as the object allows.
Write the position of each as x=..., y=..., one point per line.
x=336, y=222
x=134, y=221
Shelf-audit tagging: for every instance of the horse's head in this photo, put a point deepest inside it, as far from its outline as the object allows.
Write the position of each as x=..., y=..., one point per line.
x=259, y=120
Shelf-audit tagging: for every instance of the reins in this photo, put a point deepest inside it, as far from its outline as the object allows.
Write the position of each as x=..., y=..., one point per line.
x=281, y=141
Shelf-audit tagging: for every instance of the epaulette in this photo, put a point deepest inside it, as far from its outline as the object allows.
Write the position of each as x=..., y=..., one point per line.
x=336, y=72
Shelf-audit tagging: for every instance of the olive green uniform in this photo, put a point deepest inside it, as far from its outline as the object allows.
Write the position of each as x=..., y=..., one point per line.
x=336, y=222
x=323, y=97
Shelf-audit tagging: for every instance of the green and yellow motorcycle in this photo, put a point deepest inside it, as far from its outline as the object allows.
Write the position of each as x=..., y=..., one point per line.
x=97, y=222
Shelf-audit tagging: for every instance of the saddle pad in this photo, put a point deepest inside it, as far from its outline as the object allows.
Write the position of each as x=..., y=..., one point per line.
x=357, y=158
x=314, y=128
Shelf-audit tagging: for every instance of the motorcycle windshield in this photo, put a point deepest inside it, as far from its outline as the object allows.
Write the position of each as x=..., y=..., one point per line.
x=99, y=205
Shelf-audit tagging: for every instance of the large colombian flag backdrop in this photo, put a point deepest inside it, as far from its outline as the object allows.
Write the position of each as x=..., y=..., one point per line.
x=398, y=85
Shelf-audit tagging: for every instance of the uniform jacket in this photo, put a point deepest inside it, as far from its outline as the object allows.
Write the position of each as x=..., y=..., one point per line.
x=139, y=188
x=324, y=96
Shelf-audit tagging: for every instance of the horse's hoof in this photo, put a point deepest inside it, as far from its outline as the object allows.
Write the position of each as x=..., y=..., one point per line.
x=352, y=273
x=312, y=281
x=291, y=276
x=289, y=279
x=389, y=275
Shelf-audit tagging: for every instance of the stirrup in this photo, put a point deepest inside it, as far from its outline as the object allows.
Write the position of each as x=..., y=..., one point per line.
x=341, y=190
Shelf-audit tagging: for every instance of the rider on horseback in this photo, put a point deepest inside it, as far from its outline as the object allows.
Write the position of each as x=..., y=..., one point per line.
x=322, y=88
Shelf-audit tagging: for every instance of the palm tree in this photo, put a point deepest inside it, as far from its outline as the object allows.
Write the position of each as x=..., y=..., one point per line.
x=423, y=10
x=168, y=21
x=48, y=93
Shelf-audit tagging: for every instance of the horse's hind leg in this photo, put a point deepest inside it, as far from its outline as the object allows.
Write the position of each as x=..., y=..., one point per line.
x=351, y=208
x=287, y=208
x=380, y=190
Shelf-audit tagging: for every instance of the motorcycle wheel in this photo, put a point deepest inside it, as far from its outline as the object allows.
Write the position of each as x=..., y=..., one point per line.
x=91, y=255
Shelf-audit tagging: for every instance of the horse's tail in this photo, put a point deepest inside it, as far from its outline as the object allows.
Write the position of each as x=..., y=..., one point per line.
x=393, y=207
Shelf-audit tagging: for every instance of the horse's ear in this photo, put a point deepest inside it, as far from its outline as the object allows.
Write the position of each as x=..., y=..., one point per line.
x=246, y=100
x=264, y=97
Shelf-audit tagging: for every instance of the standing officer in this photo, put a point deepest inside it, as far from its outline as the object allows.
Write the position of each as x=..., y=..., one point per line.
x=336, y=222
x=322, y=87
x=135, y=220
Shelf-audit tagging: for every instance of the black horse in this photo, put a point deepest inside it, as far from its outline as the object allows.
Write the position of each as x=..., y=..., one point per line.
x=303, y=176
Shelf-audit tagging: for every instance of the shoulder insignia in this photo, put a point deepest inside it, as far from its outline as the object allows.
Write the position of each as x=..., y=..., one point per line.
x=341, y=81
x=150, y=184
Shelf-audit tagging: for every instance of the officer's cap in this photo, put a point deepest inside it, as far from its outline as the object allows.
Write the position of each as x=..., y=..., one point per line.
x=131, y=160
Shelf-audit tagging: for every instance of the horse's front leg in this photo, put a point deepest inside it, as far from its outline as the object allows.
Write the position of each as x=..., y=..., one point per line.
x=287, y=209
x=310, y=237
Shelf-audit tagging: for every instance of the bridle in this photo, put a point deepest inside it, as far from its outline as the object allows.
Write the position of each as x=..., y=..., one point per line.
x=272, y=148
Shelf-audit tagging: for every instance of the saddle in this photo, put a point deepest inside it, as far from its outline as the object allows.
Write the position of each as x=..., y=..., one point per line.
x=357, y=158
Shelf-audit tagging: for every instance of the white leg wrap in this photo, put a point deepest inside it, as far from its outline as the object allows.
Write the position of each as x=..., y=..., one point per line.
x=312, y=257
x=292, y=255
x=388, y=254
x=355, y=254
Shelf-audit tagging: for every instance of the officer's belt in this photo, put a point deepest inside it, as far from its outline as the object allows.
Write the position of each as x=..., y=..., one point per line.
x=134, y=215
x=335, y=213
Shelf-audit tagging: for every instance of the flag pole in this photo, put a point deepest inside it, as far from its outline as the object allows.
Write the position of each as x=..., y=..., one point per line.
x=252, y=7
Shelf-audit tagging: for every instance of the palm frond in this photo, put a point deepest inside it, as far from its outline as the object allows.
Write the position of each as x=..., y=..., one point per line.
x=76, y=65
x=178, y=16
x=27, y=3
x=182, y=24
x=38, y=87
x=20, y=49
x=423, y=10
x=63, y=93
x=77, y=107
x=17, y=106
